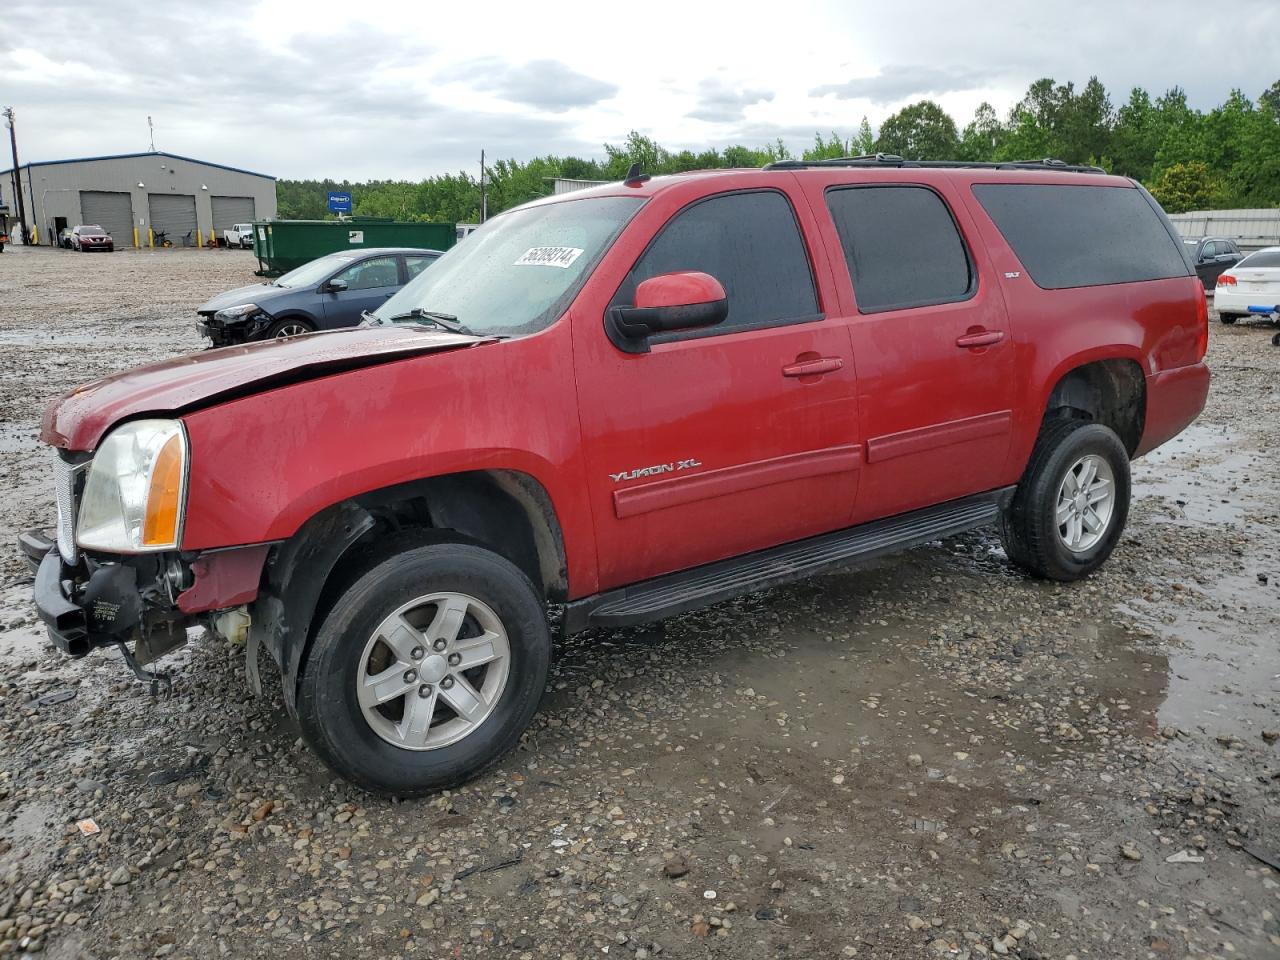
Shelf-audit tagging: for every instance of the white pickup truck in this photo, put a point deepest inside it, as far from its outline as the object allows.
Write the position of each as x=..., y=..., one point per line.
x=240, y=235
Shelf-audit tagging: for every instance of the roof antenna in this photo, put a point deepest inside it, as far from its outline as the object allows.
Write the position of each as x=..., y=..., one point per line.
x=634, y=177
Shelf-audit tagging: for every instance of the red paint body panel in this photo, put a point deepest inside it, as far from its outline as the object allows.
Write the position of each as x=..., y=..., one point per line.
x=678, y=491
x=677, y=289
x=722, y=399
x=946, y=434
x=263, y=464
x=1174, y=399
x=914, y=380
x=78, y=420
x=224, y=578
x=703, y=448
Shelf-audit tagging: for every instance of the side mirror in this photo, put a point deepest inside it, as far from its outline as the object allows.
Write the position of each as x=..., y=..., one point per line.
x=335, y=286
x=670, y=301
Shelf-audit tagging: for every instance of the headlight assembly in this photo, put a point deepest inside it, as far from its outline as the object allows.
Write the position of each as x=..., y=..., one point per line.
x=233, y=314
x=135, y=492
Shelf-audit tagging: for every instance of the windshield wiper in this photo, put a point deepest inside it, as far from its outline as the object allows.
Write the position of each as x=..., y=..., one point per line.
x=445, y=321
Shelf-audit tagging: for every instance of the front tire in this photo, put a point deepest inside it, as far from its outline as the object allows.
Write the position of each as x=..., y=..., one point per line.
x=426, y=670
x=1228, y=318
x=289, y=327
x=1072, y=503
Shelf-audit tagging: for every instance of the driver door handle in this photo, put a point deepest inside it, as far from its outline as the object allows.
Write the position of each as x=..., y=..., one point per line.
x=813, y=368
x=979, y=338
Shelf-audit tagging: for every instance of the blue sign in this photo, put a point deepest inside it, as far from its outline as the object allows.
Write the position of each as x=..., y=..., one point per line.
x=340, y=202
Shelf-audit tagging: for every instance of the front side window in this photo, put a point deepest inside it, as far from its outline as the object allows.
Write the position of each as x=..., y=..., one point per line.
x=371, y=274
x=751, y=243
x=416, y=265
x=902, y=247
x=314, y=272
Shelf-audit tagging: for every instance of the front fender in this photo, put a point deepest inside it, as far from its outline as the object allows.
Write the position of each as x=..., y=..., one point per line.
x=295, y=575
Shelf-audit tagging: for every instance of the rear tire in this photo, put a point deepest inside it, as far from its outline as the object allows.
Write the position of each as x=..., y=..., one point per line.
x=376, y=745
x=1072, y=503
x=1228, y=318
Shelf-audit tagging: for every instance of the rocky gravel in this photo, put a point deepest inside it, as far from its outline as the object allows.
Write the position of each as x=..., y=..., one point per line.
x=928, y=757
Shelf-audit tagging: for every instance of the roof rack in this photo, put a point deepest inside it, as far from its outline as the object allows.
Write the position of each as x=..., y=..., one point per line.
x=893, y=160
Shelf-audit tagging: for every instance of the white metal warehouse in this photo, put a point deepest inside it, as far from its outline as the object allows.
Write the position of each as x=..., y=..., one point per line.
x=132, y=195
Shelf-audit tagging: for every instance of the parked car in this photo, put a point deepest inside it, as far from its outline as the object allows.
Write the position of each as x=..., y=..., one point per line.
x=90, y=236
x=625, y=403
x=240, y=235
x=1212, y=255
x=331, y=292
x=64, y=238
x=1250, y=285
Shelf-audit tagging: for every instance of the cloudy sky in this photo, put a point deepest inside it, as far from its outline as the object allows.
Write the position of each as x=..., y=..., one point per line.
x=312, y=88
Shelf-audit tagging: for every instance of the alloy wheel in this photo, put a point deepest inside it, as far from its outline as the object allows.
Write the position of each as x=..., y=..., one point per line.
x=1086, y=501
x=433, y=671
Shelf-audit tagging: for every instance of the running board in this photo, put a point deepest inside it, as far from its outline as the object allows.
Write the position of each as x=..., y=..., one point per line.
x=687, y=590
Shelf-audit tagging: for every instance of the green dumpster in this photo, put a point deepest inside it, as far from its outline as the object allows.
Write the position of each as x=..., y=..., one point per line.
x=282, y=245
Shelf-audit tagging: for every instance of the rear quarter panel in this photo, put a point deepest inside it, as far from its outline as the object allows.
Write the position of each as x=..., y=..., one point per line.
x=1154, y=323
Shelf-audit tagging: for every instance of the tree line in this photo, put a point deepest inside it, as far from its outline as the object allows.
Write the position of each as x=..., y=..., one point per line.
x=1190, y=159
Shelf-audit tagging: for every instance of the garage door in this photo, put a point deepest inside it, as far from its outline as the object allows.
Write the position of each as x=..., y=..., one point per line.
x=111, y=211
x=228, y=211
x=174, y=213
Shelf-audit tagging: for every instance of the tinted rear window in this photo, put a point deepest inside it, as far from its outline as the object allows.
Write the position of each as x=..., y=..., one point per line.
x=1269, y=258
x=1082, y=236
x=902, y=247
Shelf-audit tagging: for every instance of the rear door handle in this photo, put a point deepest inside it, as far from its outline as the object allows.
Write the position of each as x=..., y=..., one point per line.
x=812, y=368
x=979, y=338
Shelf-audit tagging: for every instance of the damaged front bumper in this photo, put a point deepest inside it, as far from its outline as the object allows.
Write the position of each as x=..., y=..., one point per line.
x=221, y=333
x=147, y=600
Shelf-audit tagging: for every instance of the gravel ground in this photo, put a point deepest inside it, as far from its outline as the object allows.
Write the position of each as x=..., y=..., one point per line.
x=931, y=756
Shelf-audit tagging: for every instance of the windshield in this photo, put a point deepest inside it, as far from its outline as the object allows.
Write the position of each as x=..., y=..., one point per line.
x=92, y=232
x=516, y=274
x=313, y=272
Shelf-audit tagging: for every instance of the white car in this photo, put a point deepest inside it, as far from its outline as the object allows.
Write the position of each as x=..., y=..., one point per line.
x=1252, y=286
x=240, y=235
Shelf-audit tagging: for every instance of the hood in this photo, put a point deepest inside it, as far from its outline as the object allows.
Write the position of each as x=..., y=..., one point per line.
x=258, y=293
x=78, y=420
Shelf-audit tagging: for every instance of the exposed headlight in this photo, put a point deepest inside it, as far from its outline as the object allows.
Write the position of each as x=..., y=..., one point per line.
x=232, y=314
x=135, y=492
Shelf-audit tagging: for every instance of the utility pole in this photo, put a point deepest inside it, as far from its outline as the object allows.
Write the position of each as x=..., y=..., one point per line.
x=484, y=208
x=17, y=175
x=152, y=130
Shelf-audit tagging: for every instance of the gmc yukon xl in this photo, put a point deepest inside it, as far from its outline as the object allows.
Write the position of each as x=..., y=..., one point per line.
x=620, y=405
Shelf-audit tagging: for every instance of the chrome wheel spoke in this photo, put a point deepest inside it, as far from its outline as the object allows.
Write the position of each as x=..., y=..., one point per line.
x=403, y=639
x=474, y=652
x=385, y=686
x=448, y=620
x=1064, y=511
x=418, y=713
x=1099, y=491
x=464, y=699
x=1092, y=522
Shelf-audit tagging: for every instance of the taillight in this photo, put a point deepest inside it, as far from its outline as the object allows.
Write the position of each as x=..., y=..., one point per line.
x=1226, y=280
x=1202, y=319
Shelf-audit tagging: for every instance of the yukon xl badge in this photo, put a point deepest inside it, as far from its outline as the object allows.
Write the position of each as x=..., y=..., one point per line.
x=655, y=470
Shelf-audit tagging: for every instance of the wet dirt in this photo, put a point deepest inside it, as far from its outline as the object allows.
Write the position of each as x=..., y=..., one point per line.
x=929, y=756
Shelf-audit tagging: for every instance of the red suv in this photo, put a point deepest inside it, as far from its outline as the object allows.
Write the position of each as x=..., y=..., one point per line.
x=626, y=403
